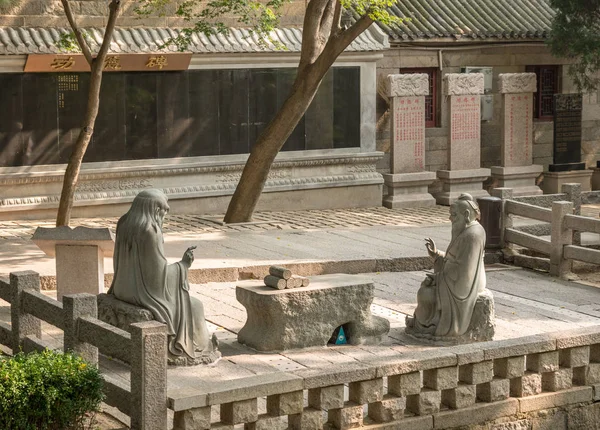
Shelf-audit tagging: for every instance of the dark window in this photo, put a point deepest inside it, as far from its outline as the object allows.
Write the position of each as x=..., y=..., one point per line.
x=172, y=114
x=431, y=99
x=547, y=85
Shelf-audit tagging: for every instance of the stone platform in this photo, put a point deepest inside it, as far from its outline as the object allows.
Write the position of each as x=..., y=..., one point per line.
x=280, y=320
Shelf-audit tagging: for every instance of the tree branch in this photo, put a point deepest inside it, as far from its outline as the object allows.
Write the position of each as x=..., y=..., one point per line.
x=336, y=27
x=85, y=49
x=336, y=45
x=312, y=46
x=110, y=29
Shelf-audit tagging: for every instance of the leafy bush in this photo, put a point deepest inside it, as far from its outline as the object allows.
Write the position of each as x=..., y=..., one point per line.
x=48, y=390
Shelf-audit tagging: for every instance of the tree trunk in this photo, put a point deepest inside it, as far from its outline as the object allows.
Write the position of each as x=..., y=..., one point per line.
x=269, y=143
x=71, y=177
x=85, y=135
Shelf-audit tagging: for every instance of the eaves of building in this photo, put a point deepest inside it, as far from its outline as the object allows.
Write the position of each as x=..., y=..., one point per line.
x=459, y=22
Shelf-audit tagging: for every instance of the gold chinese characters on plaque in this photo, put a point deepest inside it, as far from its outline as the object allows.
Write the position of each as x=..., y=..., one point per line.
x=112, y=63
x=62, y=63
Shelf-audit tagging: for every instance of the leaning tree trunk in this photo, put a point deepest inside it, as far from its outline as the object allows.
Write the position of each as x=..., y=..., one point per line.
x=87, y=128
x=270, y=142
x=85, y=135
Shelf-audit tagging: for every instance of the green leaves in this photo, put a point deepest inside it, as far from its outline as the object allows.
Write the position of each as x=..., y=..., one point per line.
x=377, y=10
x=576, y=35
x=260, y=18
x=48, y=390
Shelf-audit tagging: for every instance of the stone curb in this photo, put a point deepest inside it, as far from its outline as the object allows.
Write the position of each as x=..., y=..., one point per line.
x=311, y=268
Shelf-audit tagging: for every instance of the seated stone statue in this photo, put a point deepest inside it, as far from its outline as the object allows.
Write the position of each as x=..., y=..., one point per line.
x=143, y=277
x=447, y=297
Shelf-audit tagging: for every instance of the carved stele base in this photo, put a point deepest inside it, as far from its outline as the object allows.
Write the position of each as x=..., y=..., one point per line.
x=456, y=182
x=481, y=328
x=122, y=314
x=408, y=190
x=521, y=179
x=553, y=180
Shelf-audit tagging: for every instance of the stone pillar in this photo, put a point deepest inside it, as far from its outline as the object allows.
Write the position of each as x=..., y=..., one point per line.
x=76, y=306
x=516, y=170
x=23, y=324
x=149, y=376
x=408, y=181
x=79, y=256
x=464, y=174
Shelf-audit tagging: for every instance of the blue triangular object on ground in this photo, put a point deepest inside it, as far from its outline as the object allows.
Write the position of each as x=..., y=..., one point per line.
x=341, y=337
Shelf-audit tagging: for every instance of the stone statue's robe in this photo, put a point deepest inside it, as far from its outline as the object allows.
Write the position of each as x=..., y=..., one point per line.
x=445, y=307
x=143, y=277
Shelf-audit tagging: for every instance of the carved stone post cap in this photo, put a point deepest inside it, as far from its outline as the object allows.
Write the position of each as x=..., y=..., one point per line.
x=457, y=84
x=47, y=238
x=407, y=85
x=513, y=83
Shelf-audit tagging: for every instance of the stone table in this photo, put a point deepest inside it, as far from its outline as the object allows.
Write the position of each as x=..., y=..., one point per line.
x=302, y=317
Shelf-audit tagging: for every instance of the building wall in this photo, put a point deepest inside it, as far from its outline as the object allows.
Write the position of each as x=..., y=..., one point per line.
x=508, y=59
x=94, y=13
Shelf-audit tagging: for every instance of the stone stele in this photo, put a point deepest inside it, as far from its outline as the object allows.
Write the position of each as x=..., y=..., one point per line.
x=458, y=84
x=407, y=85
x=280, y=320
x=515, y=83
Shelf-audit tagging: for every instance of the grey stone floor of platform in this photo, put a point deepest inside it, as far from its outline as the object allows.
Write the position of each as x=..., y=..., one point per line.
x=527, y=303
x=332, y=235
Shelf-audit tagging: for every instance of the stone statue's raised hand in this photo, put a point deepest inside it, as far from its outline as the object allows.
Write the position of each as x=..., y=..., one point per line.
x=188, y=256
x=431, y=249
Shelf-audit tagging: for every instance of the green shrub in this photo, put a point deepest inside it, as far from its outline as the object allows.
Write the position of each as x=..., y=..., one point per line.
x=48, y=390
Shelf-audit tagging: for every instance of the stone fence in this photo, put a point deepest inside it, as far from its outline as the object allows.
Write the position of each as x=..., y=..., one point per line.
x=439, y=388
x=566, y=228
x=144, y=350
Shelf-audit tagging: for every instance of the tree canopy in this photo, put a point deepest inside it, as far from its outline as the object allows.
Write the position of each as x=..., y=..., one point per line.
x=576, y=35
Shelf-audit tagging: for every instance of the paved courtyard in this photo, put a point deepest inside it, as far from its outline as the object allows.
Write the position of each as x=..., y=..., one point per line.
x=527, y=302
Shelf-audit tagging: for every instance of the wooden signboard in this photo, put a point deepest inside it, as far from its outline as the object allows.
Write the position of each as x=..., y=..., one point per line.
x=62, y=63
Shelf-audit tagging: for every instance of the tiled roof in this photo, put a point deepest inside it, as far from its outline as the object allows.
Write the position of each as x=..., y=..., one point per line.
x=472, y=19
x=29, y=40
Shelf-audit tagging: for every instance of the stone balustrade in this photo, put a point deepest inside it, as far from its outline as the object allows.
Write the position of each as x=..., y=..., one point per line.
x=566, y=226
x=438, y=388
x=144, y=349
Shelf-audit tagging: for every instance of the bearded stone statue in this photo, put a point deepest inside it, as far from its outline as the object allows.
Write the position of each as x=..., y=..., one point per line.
x=143, y=277
x=448, y=297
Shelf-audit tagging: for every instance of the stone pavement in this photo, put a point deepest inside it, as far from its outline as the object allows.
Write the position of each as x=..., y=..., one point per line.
x=342, y=235
x=526, y=302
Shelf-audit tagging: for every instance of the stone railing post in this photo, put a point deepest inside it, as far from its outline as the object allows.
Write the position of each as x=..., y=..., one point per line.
x=23, y=324
x=75, y=306
x=506, y=220
x=148, y=376
x=573, y=192
x=561, y=236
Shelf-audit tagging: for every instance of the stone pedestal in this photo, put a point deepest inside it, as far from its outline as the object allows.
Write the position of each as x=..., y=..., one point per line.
x=517, y=171
x=481, y=328
x=456, y=182
x=279, y=320
x=464, y=174
x=521, y=179
x=553, y=181
x=79, y=257
x=407, y=182
x=407, y=190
